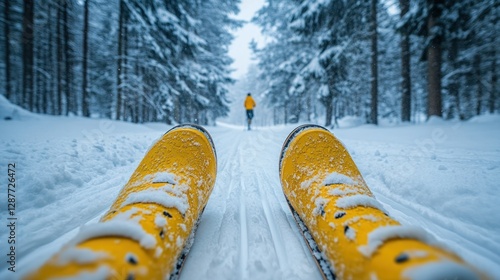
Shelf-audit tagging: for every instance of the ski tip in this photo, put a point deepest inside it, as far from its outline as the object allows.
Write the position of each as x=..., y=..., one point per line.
x=294, y=134
x=199, y=128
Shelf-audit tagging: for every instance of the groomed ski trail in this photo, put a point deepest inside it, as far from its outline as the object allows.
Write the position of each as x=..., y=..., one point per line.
x=242, y=232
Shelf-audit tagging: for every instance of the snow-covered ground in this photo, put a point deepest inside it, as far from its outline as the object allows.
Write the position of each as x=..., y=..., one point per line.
x=442, y=176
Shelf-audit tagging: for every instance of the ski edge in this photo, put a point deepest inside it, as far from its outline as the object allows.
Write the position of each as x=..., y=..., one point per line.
x=179, y=265
x=319, y=258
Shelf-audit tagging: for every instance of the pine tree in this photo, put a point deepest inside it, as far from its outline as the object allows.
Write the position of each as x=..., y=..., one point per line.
x=85, y=87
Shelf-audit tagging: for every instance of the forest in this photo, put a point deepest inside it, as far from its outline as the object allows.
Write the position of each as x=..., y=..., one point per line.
x=129, y=60
x=159, y=60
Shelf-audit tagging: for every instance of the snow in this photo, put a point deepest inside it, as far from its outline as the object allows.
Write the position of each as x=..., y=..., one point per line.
x=350, y=233
x=337, y=178
x=380, y=235
x=159, y=196
x=9, y=111
x=307, y=183
x=160, y=221
x=69, y=170
x=165, y=177
x=80, y=256
x=320, y=206
x=356, y=200
x=342, y=192
x=440, y=270
x=115, y=228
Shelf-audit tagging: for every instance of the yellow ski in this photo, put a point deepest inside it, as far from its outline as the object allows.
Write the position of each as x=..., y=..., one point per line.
x=146, y=232
x=349, y=233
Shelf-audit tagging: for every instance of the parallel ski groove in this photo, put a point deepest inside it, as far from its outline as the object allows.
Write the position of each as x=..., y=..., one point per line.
x=285, y=207
x=244, y=234
x=233, y=153
x=279, y=248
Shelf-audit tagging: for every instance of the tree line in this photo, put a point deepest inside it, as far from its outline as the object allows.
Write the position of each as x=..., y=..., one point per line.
x=403, y=60
x=134, y=60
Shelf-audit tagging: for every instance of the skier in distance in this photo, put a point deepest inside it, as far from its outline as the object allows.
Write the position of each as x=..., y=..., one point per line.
x=249, y=105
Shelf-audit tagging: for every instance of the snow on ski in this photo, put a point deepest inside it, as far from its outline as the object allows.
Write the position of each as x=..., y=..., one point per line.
x=348, y=231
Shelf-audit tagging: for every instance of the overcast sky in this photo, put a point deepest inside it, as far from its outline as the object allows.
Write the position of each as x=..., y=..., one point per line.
x=239, y=49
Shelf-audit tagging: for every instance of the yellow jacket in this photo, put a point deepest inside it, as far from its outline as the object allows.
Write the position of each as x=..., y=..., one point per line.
x=249, y=103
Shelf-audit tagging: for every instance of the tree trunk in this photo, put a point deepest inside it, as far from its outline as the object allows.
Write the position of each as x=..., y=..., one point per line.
x=374, y=64
x=85, y=94
x=328, y=102
x=308, y=107
x=454, y=91
x=285, y=112
x=405, y=66
x=28, y=34
x=7, y=50
x=434, y=103
x=120, y=55
x=38, y=89
x=59, y=62
x=125, y=97
x=477, y=73
x=492, y=98
x=68, y=68
x=139, y=85
x=51, y=65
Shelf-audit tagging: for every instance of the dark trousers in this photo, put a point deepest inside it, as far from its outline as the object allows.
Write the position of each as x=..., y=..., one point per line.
x=250, y=114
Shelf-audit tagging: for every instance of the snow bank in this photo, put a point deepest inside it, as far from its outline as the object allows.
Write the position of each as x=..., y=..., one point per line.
x=351, y=121
x=9, y=111
x=436, y=120
x=69, y=170
x=487, y=118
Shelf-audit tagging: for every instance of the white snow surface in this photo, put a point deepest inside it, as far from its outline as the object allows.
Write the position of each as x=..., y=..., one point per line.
x=69, y=170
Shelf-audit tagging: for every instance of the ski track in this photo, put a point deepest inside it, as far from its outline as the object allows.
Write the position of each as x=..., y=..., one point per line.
x=254, y=221
x=247, y=230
